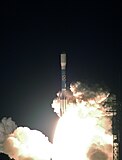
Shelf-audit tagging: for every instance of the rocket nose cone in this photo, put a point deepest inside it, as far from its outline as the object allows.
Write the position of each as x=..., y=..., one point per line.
x=63, y=58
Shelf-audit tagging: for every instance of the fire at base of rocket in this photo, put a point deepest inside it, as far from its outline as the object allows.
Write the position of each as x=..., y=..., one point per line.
x=84, y=130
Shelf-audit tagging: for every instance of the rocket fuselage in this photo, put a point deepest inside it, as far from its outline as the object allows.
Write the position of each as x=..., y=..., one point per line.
x=63, y=71
x=63, y=86
x=63, y=77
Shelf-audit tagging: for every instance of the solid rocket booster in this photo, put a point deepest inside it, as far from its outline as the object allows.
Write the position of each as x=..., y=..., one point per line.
x=63, y=87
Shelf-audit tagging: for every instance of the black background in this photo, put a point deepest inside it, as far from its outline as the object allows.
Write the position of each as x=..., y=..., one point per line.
x=33, y=35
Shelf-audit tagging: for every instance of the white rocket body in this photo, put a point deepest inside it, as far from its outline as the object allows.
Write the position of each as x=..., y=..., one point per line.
x=63, y=88
x=63, y=61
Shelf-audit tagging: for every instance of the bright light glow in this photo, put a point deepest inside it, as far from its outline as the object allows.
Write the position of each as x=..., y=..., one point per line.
x=76, y=133
x=82, y=133
x=25, y=143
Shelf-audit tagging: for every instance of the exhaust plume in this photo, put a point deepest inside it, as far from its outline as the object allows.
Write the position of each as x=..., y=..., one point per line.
x=83, y=132
x=85, y=129
x=23, y=143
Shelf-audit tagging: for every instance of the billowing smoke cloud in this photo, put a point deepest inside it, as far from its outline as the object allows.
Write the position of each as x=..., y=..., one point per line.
x=91, y=106
x=81, y=93
x=23, y=143
x=97, y=152
x=83, y=132
x=7, y=126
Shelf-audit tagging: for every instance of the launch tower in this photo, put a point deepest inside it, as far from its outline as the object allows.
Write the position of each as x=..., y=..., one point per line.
x=115, y=125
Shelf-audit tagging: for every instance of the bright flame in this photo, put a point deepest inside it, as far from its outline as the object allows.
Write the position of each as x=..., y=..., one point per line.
x=75, y=135
x=84, y=131
x=24, y=143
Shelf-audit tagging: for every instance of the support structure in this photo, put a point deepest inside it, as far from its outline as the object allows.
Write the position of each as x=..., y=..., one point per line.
x=115, y=136
x=115, y=126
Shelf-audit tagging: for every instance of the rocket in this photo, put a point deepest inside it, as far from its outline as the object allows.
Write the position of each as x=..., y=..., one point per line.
x=63, y=84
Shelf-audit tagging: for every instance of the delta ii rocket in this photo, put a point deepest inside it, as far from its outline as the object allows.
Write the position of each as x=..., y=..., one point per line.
x=63, y=84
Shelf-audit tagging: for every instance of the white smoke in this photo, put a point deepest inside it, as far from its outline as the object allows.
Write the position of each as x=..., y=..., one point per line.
x=7, y=126
x=83, y=132
x=86, y=126
x=23, y=143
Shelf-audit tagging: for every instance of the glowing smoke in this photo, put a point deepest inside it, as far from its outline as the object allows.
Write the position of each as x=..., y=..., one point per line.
x=23, y=143
x=83, y=132
x=7, y=126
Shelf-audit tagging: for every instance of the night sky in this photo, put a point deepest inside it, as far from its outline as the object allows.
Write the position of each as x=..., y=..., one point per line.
x=33, y=35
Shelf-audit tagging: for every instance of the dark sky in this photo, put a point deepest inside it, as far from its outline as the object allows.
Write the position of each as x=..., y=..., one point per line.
x=32, y=37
